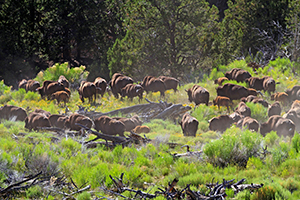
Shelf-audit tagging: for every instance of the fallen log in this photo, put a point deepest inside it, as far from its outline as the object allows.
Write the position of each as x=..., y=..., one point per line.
x=152, y=110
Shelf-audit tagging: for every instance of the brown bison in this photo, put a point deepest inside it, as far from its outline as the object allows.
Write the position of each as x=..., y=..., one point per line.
x=152, y=84
x=130, y=123
x=236, y=116
x=36, y=120
x=198, y=95
x=109, y=126
x=293, y=93
x=70, y=123
x=63, y=80
x=255, y=99
x=220, y=123
x=248, y=122
x=295, y=104
x=141, y=129
x=294, y=115
x=237, y=74
x=23, y=83
x=269, y=84
x=283, y=127
x=102, y=84
x=29, y=85
x=223, y=101
x=42, y=112
x=88, y=90
x=274, y=109
x=9, y=112
x=49, y=87
x=170, y=82
x=118, y=81
x=255, y=83
x=132, y=90
x=235, y=92
x=220, y=80
x=243, y=109
x=189, y=125
x=54, y=119
x=60, y=96
x=281, y=97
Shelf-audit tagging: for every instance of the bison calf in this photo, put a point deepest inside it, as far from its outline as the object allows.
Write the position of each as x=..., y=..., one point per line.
x=60, y=96
x=223, y=101
x=141, y=129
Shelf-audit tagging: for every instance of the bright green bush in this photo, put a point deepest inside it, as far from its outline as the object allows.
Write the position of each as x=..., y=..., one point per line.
x=34, y=192
x=72, y=74
x=235, y=147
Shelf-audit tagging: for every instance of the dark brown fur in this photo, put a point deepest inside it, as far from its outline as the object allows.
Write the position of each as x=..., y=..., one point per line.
x=243, y=109
x=80, y=119
x=274, y=109
x=198, y=95
x=132, y=90
x=109, y=126
x=170, y=82
x=220, y=123
x=283, y=127
x=8, y=112
x=102, y=84
x=189, y=125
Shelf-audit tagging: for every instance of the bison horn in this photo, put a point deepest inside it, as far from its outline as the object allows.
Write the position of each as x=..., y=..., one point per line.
x=185, y=90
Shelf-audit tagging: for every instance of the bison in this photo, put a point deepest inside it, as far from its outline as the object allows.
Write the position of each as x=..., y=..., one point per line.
x=29, y=85
x=198, y=95
x=223, y=101
x=60, y=96
x=9, y=112
x=293, y=93
x=294, y=115
x=189, y=125
x=220, y=123
x=269, y=84
x=118, y=81
x=102, y=84
x=70, y=123
x=53, y=119
x=152, y=84
x=63, y=80
x=88, y=90
x=141, y=129
x=49, y=87
x=248, y=122
x=281, y=97
x=237, y=74
x=255, y=83
x=243, y=109
x=274, y=109
x=130, y=123
x=220, y=80
x=282, y=126
x=36, y=120
x=235, y=92
x=132, y=90
x=109, y=126
x=170, y=82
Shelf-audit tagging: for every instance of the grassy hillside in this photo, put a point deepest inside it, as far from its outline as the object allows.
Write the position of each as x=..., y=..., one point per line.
x=66, y=164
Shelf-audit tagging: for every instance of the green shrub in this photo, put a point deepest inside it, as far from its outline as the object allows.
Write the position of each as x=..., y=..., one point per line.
x=84, y=196
x=235, y=147
x=34, y=192
x=280, y=153
x=258, y=112
x=74, y=75
x=296, y=142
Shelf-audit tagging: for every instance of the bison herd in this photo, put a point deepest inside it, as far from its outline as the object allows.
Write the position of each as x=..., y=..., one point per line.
x=124, y=86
